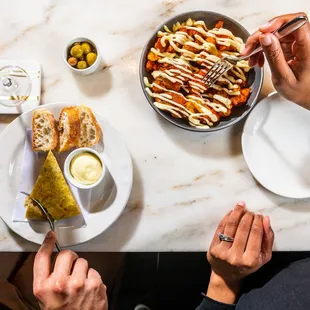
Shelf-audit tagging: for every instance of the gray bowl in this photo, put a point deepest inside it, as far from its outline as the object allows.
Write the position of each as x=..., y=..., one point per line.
x=254, y=78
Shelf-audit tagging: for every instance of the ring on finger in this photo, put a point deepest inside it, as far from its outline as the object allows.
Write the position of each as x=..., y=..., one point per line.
x=225, y=238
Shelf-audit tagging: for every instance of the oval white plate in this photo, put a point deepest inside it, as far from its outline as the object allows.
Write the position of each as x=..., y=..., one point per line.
x=276, y=146
x=114, y=153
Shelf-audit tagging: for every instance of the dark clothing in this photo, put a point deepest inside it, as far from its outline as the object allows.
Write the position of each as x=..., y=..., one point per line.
x=209, y=303
x=289, y=290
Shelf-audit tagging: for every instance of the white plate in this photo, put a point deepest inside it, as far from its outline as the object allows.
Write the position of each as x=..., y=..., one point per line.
x=276, y=146
x=106, y=210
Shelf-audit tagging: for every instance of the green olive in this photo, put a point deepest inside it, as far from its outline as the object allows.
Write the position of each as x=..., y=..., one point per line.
x=91, y=58
x=72, y=61
x=76, y=51
x=86, y=48
x=81, y=64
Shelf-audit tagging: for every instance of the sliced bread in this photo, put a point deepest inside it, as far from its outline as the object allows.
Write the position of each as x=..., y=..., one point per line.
x=69, y=128
x=44, y=131
x=90, y=131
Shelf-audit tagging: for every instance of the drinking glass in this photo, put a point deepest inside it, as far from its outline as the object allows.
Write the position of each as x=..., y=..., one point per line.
x=15, y=86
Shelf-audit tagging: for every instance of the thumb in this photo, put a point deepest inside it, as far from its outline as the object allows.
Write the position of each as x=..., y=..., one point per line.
x=42, y=262
x=272, y=48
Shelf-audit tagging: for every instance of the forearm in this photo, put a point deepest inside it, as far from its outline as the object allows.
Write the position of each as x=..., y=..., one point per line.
x=222, y=291
x=220, y=295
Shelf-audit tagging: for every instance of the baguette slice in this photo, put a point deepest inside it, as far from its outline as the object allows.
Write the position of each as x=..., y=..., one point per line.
x=44, y=131
x=69, y=128
x=90, y=132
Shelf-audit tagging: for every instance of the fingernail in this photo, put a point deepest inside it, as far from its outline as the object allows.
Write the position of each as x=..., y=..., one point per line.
x=265, y=26
x=241, y=203
x=50, y=234
x=267, y=221
x=265, y=39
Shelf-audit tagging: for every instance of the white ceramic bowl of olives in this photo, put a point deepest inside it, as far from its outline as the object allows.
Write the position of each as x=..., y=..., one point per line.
x=82, y=56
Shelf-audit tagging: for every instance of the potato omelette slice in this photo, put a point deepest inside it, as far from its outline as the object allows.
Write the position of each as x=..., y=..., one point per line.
x=53, y=192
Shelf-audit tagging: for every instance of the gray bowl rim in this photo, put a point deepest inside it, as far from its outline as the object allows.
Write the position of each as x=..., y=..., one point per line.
x=164, y=114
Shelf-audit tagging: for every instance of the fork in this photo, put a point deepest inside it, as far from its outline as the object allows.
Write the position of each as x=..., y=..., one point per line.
x=47, y=215
x=228, y=62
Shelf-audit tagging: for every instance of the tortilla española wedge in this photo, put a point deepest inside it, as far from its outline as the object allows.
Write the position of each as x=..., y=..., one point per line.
x=53, y=192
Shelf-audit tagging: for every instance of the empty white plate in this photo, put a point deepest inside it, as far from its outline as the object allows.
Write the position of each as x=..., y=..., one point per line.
x=276, y=146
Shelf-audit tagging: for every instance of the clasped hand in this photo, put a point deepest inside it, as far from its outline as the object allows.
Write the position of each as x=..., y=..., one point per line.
x=70, y=284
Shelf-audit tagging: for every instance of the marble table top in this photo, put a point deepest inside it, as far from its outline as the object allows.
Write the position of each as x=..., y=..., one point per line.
x=184, y=182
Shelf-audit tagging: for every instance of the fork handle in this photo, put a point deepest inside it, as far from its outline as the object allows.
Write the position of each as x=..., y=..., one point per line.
x=283, y=31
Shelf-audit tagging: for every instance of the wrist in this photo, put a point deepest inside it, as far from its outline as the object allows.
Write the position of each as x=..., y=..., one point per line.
x=222, y=290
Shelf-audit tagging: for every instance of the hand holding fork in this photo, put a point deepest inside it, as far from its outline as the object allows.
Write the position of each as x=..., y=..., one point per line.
x=226, y=63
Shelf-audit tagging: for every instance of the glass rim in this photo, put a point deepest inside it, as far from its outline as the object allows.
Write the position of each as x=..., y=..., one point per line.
x=18, y=102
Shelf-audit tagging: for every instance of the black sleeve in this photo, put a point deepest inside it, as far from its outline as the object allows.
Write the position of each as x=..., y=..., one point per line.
x=210, y=304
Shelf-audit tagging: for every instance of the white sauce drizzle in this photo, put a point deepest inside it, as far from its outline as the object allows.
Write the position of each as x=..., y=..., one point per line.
x=177, y=69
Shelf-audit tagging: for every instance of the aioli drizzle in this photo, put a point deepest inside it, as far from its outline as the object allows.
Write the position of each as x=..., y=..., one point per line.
x=180, y=70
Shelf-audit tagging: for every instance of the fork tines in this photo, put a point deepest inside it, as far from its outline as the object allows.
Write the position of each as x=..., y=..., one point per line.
x=216, y=71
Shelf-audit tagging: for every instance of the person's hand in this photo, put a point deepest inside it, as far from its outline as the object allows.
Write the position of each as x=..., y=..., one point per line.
x=231, y=262
x=71, y=285
x=289, y=60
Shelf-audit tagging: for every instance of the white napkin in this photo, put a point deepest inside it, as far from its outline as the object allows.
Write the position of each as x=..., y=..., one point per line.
x=31, y=166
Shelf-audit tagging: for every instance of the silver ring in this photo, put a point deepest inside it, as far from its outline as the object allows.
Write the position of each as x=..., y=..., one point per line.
x=225, y=238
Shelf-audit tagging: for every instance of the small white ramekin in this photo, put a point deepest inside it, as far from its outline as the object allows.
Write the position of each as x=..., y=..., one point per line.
x=67, y=165
x=88, y=70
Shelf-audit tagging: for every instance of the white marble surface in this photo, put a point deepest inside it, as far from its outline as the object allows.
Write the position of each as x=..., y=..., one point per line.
x=183, y=182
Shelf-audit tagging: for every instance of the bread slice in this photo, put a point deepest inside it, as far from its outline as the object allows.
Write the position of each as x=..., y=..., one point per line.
x=44, y=131
x=69, y=128
x=53, y=192
x=90, y=132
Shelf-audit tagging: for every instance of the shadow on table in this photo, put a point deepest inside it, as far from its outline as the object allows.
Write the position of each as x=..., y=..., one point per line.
x=219, y=144
x=124, y=227
x=97, y=83
x=296, y=205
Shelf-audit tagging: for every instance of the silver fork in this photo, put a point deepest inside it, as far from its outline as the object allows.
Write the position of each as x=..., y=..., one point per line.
x=226, y=63
x=48, y=217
